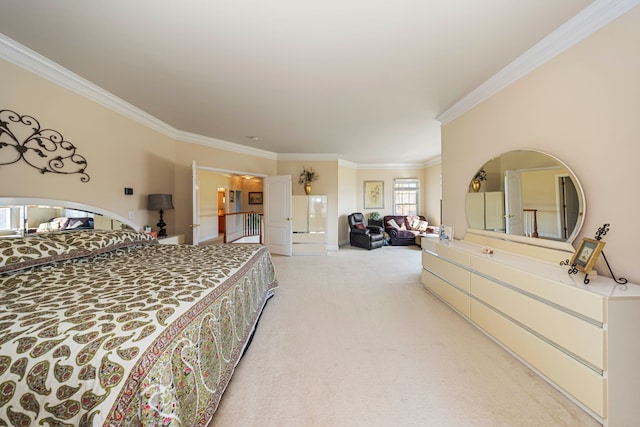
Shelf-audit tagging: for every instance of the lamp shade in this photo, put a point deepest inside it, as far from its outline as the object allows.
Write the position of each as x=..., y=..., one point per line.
x=159, y=201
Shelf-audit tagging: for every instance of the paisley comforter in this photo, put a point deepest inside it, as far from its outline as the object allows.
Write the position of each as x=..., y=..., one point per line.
x=110, y=328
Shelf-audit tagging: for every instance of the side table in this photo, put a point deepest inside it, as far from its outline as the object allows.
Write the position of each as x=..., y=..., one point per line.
x=172, y=239
x=377, y=222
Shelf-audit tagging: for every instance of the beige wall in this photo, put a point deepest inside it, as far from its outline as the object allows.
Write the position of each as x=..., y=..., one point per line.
x=581, y=107
x=387, y=176
x=120, y=152
x=347, y=196
x=433, y=193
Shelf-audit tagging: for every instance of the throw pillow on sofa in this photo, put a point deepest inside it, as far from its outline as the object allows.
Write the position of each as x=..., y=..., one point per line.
x=422, y=226
x=393, y=224
x=414, y=222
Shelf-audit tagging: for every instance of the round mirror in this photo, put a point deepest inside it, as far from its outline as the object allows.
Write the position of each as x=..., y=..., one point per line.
x=526, y=193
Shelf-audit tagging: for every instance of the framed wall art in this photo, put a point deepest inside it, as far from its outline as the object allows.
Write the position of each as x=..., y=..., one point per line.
x=587, y=253
x=255, y=197
x=232, y=196
x=374, y=194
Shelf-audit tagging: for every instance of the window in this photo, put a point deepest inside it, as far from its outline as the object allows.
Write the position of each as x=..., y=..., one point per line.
x=5, y=218
x=405, y=196
x=10, y=218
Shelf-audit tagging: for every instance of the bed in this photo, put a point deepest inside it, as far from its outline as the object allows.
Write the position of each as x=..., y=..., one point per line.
x=110, y=328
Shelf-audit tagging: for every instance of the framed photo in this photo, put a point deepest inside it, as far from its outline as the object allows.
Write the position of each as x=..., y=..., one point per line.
x=232, y=196
x=374, y=194
x=255, y=197
x=587, y=253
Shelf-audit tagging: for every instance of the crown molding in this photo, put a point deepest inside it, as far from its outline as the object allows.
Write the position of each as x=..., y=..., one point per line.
x=588, y=21
x=22, y=56
x=433, y=161
x=308, y=156
x=223, y=145
x=352, y=165
x=347, y=164
x=32, y=61
x=391, y=166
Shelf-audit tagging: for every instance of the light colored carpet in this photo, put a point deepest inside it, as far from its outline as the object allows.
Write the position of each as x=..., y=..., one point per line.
x=353, y=339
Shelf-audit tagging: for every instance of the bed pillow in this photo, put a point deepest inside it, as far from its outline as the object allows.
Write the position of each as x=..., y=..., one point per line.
x=20, y=253
x=94, y=242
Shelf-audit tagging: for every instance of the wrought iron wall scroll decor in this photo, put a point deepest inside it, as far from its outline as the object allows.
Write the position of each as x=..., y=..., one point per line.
x=44, y=149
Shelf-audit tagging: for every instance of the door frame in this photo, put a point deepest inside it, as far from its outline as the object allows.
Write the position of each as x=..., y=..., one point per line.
x=195, y=208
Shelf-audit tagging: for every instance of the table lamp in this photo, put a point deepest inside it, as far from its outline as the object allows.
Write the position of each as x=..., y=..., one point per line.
x=160, y=202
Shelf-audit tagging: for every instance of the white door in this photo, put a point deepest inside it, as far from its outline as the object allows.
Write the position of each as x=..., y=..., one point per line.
x=277, y=214
x=513, y=202
x=195, y=205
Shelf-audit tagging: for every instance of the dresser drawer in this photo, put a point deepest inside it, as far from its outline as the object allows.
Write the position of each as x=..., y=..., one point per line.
x=575, y=335
x=588, y=304
x=578, y=380
x=452, y=254
x=452, y=273
x=450, y=294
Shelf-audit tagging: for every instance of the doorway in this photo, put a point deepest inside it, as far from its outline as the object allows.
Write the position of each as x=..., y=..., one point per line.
x=221, y=209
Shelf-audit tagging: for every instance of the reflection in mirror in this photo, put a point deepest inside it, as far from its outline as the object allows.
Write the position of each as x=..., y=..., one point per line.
x=23, y=217
x=526, y=193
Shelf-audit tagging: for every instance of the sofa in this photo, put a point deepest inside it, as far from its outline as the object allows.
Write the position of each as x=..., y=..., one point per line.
x=403, y=229
x=64, y=223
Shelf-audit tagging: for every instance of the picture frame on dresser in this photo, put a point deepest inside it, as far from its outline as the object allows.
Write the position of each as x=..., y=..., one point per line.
x=373, y=194
x=587, y=254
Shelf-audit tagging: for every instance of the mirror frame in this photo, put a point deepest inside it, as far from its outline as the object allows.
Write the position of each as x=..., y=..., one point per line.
x=549, y=243
x=30, y=201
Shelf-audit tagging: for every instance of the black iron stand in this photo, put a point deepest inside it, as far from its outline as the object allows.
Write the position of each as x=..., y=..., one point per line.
x=573, y=269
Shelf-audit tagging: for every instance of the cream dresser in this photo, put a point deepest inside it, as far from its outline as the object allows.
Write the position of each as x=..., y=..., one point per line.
x=583, y=339
x=309, y=225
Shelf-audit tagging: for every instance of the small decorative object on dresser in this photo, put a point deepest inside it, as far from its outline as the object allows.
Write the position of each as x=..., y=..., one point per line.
x=586, y=255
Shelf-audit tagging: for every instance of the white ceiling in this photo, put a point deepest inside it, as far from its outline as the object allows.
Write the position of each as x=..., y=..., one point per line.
x=360, y=79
